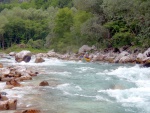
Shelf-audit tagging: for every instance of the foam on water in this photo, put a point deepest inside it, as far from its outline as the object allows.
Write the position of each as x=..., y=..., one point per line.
x=100, y=98
x=134, y=74
x=130, y=97
x=138, y=96
x=131, y=73
x=65, y=73
x=103, y=72
x=84, y=69
x=63, y=86
x=2, y=85
x=48, y=62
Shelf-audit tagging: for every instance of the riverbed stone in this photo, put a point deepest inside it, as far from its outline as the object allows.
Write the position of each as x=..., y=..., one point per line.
x=8, y=87
x=52, y=53
x=4, y=71
x=12, y=53
x=3, y=97
x=1, y=65
x=26, y=77
x=44, y=83
x=4, y=105
x=39, y=60
x=12, y=103
x=31, y=111
x=14, y=83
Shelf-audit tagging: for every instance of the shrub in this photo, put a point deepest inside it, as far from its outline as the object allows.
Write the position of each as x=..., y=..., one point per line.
x=122, y=39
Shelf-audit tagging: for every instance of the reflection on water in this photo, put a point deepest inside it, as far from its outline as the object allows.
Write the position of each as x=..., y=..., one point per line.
x=77, y=87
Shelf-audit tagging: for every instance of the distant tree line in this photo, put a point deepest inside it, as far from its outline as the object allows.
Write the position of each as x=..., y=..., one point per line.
x=65, y=25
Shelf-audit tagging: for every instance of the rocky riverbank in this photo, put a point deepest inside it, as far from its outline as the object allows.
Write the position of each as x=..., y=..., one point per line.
x=12, y=76
x=115, y=55
x=111, y=56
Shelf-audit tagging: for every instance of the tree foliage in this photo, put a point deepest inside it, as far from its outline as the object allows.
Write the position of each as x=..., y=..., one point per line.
x=67, y=24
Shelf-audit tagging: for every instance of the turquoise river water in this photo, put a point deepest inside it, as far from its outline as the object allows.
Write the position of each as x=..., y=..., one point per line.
x=80, y=87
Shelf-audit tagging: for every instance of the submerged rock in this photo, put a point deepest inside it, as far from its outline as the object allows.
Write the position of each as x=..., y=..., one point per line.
x=30, y=111
x=117, y=87
x=44, y=83
x=3, y=93
x=13, y=82
x=25, y=77
x=39, y=60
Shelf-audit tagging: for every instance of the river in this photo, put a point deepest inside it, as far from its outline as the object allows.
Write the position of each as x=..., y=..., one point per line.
x=82, y=87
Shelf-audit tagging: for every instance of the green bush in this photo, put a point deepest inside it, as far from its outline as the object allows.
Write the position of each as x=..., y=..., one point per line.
x=122, y=39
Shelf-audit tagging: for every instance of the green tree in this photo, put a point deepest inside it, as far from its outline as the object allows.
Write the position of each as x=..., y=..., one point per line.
x=94, y=32
x=3, y=22
x=63, y=21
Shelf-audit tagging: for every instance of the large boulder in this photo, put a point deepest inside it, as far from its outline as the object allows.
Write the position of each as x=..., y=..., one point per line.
x=125, y=59
x=147, y=53
x=84, y=48
x=39, y=60
x=141, y=56
x=52, y=53
x=23, y=56
x=122, y=54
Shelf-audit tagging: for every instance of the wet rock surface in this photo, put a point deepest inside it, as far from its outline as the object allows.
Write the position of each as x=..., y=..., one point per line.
x=44, y=83
x=24, y=55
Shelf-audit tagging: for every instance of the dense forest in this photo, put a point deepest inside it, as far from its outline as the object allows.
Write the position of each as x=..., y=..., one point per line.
x=66, y=25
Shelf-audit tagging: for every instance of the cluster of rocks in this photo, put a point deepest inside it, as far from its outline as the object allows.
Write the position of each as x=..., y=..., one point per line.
x=115, y=55
x=123, y=57
x=12, y=76
x=6, y=103
x=25, y=56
